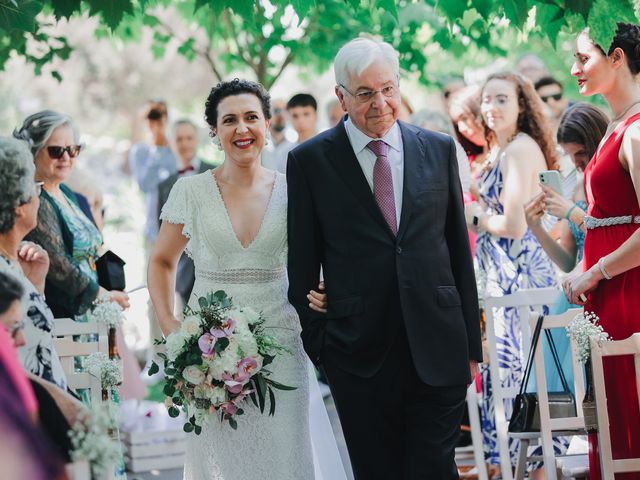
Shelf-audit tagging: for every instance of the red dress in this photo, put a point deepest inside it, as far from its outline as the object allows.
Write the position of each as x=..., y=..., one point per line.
x=610, y=193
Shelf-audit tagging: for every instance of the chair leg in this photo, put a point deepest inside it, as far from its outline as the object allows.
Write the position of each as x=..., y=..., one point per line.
x=521, y=466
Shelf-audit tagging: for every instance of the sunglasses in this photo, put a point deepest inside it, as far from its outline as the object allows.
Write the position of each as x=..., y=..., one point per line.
x=555, y=96
x=57, y=152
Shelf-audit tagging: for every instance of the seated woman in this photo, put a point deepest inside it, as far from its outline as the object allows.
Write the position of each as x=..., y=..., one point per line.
x=70, y=238
x=21, y=438
x=26, y=261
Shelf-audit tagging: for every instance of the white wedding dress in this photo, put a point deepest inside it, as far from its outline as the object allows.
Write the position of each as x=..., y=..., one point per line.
x=263, y=447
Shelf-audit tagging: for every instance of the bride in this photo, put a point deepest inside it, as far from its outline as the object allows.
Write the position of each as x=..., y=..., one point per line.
x=232, y=221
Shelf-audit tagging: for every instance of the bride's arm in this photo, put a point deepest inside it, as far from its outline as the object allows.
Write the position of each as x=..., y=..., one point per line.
x=161, y=275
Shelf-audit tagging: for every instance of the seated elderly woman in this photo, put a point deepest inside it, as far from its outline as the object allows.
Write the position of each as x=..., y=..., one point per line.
x=71, y=239
x=46, y=405
x=26, y=261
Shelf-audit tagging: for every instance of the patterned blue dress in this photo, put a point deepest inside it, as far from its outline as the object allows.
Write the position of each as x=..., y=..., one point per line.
x=505, y=266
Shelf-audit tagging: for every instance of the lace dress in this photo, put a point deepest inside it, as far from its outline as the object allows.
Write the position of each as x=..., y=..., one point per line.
x=262, y=447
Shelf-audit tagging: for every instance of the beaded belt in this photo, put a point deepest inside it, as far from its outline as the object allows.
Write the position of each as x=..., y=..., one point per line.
x=243, y=275
x=592, y=222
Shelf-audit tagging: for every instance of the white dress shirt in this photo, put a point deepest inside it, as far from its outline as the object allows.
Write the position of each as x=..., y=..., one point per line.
x=367, y=159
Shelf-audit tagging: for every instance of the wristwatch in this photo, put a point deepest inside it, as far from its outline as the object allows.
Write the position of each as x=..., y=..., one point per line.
x=475, y=220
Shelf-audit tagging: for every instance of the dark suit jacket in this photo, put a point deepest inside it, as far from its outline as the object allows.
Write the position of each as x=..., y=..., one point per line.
x=185, y=273
x=424, y=278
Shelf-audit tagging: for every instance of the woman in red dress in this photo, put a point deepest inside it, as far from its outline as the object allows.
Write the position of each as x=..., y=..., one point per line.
x=611, y=277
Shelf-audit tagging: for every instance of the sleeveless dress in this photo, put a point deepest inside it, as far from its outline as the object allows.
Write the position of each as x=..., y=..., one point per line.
x=610, y=193
x=262, y=447
x=505, y=266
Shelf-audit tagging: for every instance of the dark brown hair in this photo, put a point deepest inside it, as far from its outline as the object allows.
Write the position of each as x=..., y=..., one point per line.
x=584, y=125
x=627, y=38
x=531, y=120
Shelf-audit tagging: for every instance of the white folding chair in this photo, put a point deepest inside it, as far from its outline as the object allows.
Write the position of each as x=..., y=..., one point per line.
x=553, y=427
x=628, y=346
x=526, y=301
x=476, y=431
x=67, y=349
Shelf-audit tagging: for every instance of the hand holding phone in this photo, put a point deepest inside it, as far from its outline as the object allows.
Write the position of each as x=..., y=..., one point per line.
x=551, y=179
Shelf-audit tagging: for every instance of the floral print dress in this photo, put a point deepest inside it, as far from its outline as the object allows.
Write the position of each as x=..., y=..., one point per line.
x=506, y=265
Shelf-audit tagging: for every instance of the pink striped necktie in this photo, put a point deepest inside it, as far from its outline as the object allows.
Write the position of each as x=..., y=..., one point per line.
x=383, y=184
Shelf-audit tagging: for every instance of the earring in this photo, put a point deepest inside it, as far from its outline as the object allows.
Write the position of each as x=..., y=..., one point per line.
x=216, y=141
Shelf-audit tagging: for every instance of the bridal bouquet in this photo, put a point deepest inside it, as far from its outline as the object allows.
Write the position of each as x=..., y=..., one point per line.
x=217, y=361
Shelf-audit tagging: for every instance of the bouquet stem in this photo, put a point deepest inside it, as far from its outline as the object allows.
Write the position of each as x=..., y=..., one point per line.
x=589, y=401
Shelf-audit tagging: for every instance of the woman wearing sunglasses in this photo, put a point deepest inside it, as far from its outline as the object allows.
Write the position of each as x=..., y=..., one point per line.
x=69, y=236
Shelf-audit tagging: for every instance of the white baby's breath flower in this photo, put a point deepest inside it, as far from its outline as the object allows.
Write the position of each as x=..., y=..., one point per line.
x=108, y=371
x=191, y=326
x=91, y=441
x=107, y=312
x=583, y=327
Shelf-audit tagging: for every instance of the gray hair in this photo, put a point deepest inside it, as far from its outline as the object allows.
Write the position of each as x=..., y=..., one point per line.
x=37, y=128
x=355, y=56
x=433, y=120
x=17, y=179
x=185, y=121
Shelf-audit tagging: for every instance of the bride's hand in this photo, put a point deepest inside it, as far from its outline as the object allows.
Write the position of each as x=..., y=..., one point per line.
x=318, y=300
x=169, y=326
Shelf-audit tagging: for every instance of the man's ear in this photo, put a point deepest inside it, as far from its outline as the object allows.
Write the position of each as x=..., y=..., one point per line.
x=340, y=95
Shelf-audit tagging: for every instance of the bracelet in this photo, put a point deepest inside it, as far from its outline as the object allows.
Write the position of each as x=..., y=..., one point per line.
x=603, y=271
x=567, y=215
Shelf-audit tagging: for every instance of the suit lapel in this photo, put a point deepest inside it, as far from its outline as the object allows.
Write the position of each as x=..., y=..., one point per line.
x=413, y=174
x=344, y=161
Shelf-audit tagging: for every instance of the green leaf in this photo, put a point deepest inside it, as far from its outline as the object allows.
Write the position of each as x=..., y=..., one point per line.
x=453, y=9
x=56, y=74
x=111, y=11
x=21, y=17
x=201, y=301
x=602, y=27
x=484, y=7
x=169, y=390
x=153, y=369
x=173, y=412
x=389, y=6
x=261, y=388
x=233, y=423
x=272, y=402
x=581, y=7
x=280, y=386
x=65, y=8
x=177, y=400
x=197, y=429
x=516, y=11
x=188, y=427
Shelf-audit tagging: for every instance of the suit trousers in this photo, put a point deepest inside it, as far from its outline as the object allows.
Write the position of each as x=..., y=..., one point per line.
x=396, y=426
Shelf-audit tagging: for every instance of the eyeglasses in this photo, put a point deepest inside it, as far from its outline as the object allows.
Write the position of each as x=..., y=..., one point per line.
x=556, y=96
x=56, y=152
x=366, y=95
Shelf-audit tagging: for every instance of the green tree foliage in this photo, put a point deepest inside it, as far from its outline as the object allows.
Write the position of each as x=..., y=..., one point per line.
x=266, y=36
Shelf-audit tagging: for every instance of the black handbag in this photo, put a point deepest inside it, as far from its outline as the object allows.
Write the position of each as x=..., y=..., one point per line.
x=110, y=269
x=526, y=414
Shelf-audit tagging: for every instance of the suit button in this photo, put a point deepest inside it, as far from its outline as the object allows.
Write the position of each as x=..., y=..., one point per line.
x=398, y=250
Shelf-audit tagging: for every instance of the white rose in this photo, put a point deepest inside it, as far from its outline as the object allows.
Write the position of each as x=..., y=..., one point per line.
x=193, y=375
x=175, y=344
x=191, y=326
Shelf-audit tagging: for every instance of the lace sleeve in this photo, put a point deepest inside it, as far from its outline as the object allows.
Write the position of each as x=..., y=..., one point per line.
x=177, y=208
x=64, y=271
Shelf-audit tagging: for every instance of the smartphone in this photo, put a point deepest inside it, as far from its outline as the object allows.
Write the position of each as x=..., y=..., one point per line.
x=551, y=179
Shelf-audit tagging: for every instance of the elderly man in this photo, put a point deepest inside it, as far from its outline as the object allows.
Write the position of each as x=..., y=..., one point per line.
x=185, y=135
x=377, y=204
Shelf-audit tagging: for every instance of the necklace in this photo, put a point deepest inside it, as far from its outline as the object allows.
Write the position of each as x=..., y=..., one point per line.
x=5, y=254
x=625, y=111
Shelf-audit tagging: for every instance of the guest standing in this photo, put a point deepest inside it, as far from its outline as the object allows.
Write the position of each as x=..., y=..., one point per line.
x=611, y=277
x=509, y=255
